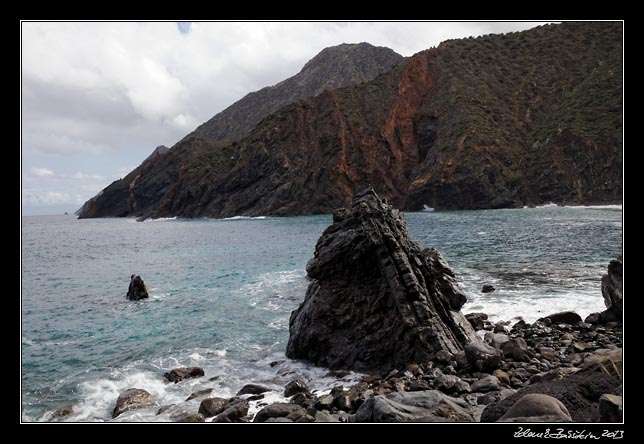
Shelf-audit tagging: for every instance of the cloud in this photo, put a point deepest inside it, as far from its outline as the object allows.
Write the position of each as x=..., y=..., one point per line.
x=37, y=197
x=41, y=172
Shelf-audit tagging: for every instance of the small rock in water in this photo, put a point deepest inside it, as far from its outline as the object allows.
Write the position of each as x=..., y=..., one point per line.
x=132, y=399
x=487, y=288
x=213, y=406
x=199, y=394
x=137, y=289
x=65, y=410
x=179, y=374
x=252, y=389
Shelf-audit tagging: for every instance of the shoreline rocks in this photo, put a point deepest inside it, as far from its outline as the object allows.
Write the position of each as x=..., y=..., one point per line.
x=131, y=399
x=376, y=300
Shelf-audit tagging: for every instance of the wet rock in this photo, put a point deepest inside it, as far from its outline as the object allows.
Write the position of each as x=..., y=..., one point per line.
x=63, y=411
x=612, y=284
x=536, y=405
x=482, y=357
x=324, y=416
x=279, y=410
x=451, y=384
x=610, y=408
x=408, y=406
x=213, y=406
x=132, y=399
x=564, y=317
x=500, y=328
x=476, y=320
x=199, y=394
x=179, y=374
x=252, y=389
x=487, y=384
x=137, y=290
x=343, y=402
x=235, y=412
x=487, y=288
x=189, y=417
x=165, y=408
x=295, y=387
x=305, y=418
x=276, y=363
x=278, y=419
x=496, y=340
x=376, y=301
x=324, y=402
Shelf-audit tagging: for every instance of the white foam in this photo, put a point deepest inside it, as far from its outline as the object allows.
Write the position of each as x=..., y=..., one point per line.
x=244, y=217
x=160, y=219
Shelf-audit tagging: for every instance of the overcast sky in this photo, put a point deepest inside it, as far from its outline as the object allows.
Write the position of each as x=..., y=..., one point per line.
x=97, y=98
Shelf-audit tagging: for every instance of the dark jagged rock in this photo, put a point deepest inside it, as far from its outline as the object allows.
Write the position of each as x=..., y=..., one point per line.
x=376, y=300
x=294, y=387
x=252, y=389
x=477, y=320
x=612, y=286
x=132, y=399
x=213, y=406
x=610, y=408
x=564, y=317
x=179, y=374
x=280, y=410
x=580, y=394
x=511, y=137
x=137, y=290
x=235, y=412
x=487, y=288
x=542, y=408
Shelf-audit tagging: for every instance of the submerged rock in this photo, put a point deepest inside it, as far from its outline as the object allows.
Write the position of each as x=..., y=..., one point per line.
x=137, y=290
x=376, y=300
x=487, y=288
x=132, y=399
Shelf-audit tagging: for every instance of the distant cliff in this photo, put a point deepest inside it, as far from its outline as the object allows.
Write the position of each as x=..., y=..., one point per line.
x=489, y=122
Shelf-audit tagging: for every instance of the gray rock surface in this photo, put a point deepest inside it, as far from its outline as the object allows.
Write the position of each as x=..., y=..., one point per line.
x=376, y=301
x=538, y=405
x=131, y=399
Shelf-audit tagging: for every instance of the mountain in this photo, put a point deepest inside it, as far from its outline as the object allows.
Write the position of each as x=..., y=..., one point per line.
x=333, y=67
x=490, y=122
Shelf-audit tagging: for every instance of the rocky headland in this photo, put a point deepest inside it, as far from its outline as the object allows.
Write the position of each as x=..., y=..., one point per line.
x=499, y=121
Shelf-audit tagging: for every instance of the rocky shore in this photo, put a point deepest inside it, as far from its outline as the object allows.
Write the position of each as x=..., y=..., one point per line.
x=379, y=304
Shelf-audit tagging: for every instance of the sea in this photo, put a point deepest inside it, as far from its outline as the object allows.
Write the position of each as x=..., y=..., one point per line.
x=222, y=291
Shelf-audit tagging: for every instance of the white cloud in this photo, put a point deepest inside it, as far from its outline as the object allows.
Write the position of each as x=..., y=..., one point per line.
x=41, y=172
x=37, y=197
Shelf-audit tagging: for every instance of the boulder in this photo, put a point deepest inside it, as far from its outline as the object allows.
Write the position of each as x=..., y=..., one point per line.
x=502, y=376
x=579, y=392
x=199, y=394
x=234, y=412
x=280, y=410
x=482, y=357
x=252, y=389
x=476, y=320
x=411, y=406
x=487, y=288
x=516, y=349
x=131, y=399
x=295, y=387
x=536, y=405
x=376, y=301
x=179, y=374
x=610, y=408
x=563, y=317
x=496, y=340
x=188, y=417
x=612, y=285
x=137, y=290
x=487, y=384
x=212, y=406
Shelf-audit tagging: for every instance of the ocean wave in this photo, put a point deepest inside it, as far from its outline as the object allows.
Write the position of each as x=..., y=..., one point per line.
x=244, y=217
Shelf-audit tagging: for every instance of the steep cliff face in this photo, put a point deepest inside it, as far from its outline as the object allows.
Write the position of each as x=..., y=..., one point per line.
x=492, y=122
x=333, y=67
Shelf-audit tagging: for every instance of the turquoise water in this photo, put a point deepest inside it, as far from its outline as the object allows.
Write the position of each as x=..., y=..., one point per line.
x=222, y=292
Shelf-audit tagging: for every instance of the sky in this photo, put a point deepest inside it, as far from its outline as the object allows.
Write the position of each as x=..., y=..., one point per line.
x=98, y=97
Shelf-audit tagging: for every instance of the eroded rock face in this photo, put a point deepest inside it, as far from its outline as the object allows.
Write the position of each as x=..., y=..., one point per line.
x=376, y=300
x=612, y=287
